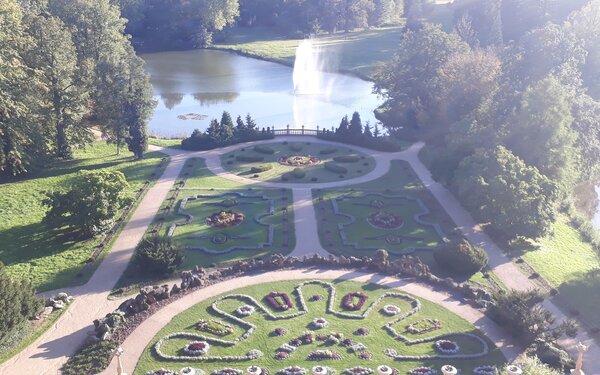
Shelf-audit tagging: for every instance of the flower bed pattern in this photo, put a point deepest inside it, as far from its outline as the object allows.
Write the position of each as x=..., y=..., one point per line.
x=485, y=370
x=299, y=160
x=385, y=220
x=354, y=301
x=391, y=310
x=245, y=310
x=215, y=327
x=422, y=371
x=279, y=301
x=225, y=219
x=324, y=355
x=320, y=323
x=424, y=326
x=359, y=370
x=447, y=347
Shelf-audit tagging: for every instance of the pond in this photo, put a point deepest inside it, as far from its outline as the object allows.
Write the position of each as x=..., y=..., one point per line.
x=193, y=87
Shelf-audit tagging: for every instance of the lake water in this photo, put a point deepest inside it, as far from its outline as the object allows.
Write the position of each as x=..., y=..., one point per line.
x=193, y=87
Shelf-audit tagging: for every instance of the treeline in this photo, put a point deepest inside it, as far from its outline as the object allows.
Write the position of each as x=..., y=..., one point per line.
x=64, y=65
x=512, y=128
x=156, y=24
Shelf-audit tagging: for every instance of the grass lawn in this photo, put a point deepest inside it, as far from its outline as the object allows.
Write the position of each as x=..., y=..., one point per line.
x=315, y=173
x=377, y=340
x=172, y=143
x=223, y=244
x=355, y=52
x=572, y=267
x=51, y=258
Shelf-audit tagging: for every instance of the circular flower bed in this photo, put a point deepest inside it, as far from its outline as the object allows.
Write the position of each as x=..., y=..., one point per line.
x=281, y=355
x=225, y=219
x=485, y=370
x=320, y=323
x=362, y=332
x=447, y=347
x=298, y=160
x=422, y=371
x=385, y=220
x=254, y=370
x=196, y=348
x=279, y=331
x=384, y=370
x=391, y=310
x=319, y=370
x=245, y=310
x=354, y=301
x=366, y=355
x=358, y=370
x=293, y=370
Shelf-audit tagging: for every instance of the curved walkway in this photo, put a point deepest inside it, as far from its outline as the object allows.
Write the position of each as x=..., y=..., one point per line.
x=135, y=344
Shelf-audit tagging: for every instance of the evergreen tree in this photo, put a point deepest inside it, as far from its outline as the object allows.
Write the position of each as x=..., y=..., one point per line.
x=376, y=131
x=250, y=124
x=214, y=131
x=226, y=128
x=355, y=129
x=342, y=130
x=240, y=126
x=367, y=132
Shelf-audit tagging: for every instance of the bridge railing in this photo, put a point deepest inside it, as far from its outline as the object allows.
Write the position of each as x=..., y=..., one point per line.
x=297, y=131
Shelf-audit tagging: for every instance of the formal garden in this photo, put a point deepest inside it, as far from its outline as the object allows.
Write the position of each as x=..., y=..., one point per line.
x=317, y=327
x=297, y=162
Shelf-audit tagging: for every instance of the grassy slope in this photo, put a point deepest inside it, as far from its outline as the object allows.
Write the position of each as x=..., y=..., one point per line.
x=172, y=143
x=376, y=341
x=317, y=171
x=356, y=52
x=48, y=257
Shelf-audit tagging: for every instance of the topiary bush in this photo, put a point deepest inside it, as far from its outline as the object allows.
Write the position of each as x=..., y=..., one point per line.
x=249, y=158
x=159, y=254
x=91, y=359
x=298, y=173
x=261, y=168
x=346, y=158
x=461, y=258
x=264, y=150
x=335, y=168
x=296, y=147
x=328, y=151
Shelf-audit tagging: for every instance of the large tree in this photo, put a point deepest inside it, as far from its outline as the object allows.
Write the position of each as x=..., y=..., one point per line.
x=585, y=24
x=499, y=188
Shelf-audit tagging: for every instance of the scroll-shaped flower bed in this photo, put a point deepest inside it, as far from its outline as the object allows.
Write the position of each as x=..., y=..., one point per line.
x=324, y=355
x=196, y=348
x=385, y=220
x=354, y=301
x=279, y=301
x=298, y=160
x=447, y=347
x=422, y=371
x=225, y=219
x=391, y=310
x=424, y=326
x=215, y=327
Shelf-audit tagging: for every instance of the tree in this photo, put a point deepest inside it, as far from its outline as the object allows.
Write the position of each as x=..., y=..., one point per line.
x=214, y=130
x=461, y=257
x=355, y=129
x=159, y=254
x=343, y=129
x=376, y=131
x=586, y=123
x=250, y=124
x=355, y=13
x=90, y=204
x=414, y=10
x=367, y=132
x=240, y=126
x=139, y=106
x=18, y=302
x=480, y=23
x=208, y=16
x=408, y=81
x=226, y=127
x=533, y=366
x=585, y=25
x=464, y=28
x=499, y=188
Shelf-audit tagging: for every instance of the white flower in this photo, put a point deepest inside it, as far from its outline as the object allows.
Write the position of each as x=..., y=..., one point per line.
x=391, y=310
x=245, y=310
x=196, y=348
x=384, y=370
x=320, y=323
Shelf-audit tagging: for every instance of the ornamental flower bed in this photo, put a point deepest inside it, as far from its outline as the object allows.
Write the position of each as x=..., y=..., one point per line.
x=447, y=347
x=362, y=332
x=228, y=371
x=196, y=348
x=324, y=355
x=282, y=355
x=384, y=370
x=293, y=370
x=321, y=370
x=391, y=310
x=315, y=298
x=354, y=301
x=298, y=160
x=279, y=331
x=347, y=343
x=215, y=327
x=254, y=370
x=385, y=220
x=225, y=219
x=422, y=371
x=424, y=326
x=358, y=347
x=161, y=371
x=366, y=355
x=485, y=370
x=320, y=323
x=245, y=310
x=358, y=370
x=279, y=301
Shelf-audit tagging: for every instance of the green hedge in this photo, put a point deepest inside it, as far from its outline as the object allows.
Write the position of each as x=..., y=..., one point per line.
x=298, y=173
x=296, y=147
x=328, y=151
x=461, y=258
x=347, y=158
x=264, y=150
x=261, y=168
x=250, y=159
x=335, y=168
x=91, y=359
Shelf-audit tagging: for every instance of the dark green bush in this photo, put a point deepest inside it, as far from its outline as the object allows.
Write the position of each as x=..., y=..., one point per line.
x=335, y=168
x=261, y=168
x=296, y=147
x=298, y=173
x=328, y=151
x=461, y=257
x=229, y=162
x=347, y=158
x=91, y=359
x=314, y=179
x=264, y=150
x=159, y=254
x=249, y=158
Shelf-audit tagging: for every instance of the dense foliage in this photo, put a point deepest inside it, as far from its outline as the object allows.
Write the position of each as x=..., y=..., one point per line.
x=18, y=303
x=63, y=65
x=223, y=133
x=511, y=128
x=461, y=258
x=159, y=254
x=91, y=204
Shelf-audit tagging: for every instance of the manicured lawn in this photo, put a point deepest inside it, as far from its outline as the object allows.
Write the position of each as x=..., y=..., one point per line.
x=51, y=258
x=209, y=245
x=172, y=143
x=356, y=52
x=362, y=165
x=571, y=266
x=377, y=340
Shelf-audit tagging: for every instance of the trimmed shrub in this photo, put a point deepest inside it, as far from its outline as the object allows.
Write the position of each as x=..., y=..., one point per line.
x=264, y=150
x=346, y=158
x=296, y=147
x=229, y=162
x=461, y=258
x=328, y=151
x=249, y=158
x=298, y=173
x=90, y=360
x=314, y=179
x=335, y=168
x=261, y=168
x=159, y=254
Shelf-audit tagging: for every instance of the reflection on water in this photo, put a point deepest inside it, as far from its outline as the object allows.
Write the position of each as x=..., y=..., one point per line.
x=208, y=82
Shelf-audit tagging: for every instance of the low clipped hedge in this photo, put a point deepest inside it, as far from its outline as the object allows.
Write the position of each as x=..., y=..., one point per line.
x=298, y=173
x=346, y=158
x=461, y=258
x=261, y=168
x=159, y=255
x=335, y=168
x=328, y=151
x=92, y=359
x=296, y=147
x=264, y=150
x=249, y=158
